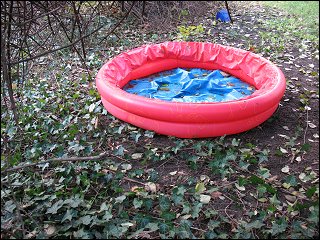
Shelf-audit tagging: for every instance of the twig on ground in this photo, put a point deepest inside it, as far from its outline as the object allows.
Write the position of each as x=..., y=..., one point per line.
x=72, y=159
x=225, y=211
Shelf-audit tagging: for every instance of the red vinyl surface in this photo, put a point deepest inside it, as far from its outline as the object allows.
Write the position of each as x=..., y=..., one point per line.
x=191, y=120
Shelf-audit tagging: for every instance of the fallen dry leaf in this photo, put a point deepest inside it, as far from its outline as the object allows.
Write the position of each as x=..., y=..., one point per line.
x=285, y=169
x=216, y=194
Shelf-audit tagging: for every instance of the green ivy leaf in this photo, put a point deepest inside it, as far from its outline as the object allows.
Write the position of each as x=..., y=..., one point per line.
x=137, y=203
x=270, y=189
x=261, y=190
x=263, y=156
x=311, y=191
x=213, y=224
x=192, y=161
x=9, y=206
x=55, y=207
x=211, y=235
x=242, y=181
x=178, y=194
x=196, y=210
x=256, y=180
x=264, y=172
x=274, y=200
x=137, y=136
x=235, y=142
x=69, y=215
x=231, y=155
x=152, y=226
x=179, y=144
x=168, y=216
x=149, y=134
x=153, y=176
x=107, y=216
x=12, y=131
x=291, y=180
x=279, y=226
x=120, y=199
x=184, y=231
x=210, y=212
x=164, y=203
x=186, y=208
x=257, y=224
x=305, y=147
x=142, y=220
x=314, y=214
x=103, y=207
x=119, y=151
x=74, y=201
x=148, y=204
x=85, y=220
x=81, y=234
x=165, y=227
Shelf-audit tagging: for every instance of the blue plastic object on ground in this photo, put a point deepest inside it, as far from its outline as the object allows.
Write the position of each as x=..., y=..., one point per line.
x=223, y=15
x=190, y=85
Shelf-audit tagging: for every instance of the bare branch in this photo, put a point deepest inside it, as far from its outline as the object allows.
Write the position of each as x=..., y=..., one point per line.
x=72, y=159
x=76, y=41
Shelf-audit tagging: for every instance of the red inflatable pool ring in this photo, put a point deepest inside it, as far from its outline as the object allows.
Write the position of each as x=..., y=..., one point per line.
x=191, y=120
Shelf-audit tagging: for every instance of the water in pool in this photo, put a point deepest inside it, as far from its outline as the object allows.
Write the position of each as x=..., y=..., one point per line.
x=190, y=85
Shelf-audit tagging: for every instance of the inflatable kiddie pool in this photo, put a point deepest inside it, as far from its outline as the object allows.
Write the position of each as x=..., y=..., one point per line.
x=185, y=119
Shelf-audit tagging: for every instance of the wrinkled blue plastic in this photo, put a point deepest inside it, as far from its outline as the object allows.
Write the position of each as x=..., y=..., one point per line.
x=223, y=15
x=190, y=85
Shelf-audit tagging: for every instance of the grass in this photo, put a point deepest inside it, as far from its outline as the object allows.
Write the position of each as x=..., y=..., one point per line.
x=308, y=11
x=299, y=22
